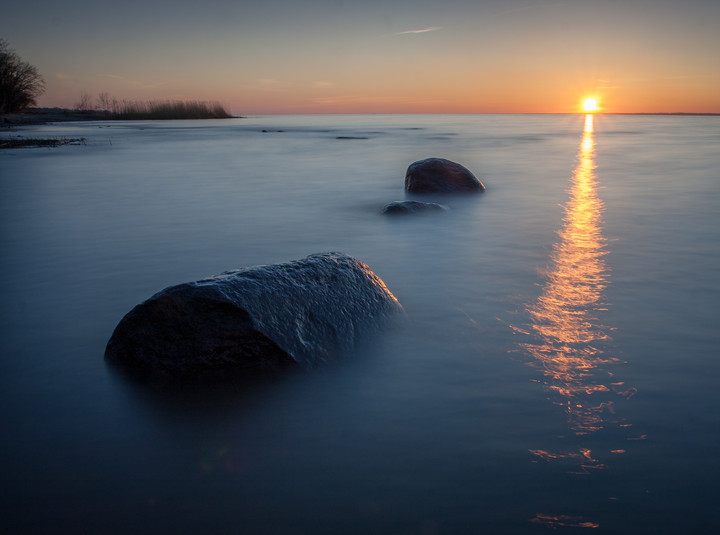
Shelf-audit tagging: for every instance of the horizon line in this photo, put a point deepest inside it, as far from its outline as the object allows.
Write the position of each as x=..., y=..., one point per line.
x=678, y=113
x=674, y=113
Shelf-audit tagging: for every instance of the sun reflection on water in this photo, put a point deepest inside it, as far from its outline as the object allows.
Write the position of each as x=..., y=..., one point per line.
x=566, y=340
x=566, y=333
x=565, y=336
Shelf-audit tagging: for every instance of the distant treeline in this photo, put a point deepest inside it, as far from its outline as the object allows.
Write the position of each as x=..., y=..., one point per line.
x=134, y=110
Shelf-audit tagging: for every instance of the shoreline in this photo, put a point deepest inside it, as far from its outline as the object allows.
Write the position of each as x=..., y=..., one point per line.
x=38, y=116
x=34, y=116
x=20, y=142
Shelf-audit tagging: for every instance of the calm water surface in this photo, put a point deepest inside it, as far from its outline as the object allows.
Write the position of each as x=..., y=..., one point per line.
x=558, y=368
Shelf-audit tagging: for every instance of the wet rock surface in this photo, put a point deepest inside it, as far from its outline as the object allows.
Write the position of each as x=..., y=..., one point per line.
x=274, y=317
x=412, y=207
x=438, y=175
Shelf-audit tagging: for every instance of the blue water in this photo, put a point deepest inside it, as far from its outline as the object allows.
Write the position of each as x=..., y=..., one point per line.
x=558, y=368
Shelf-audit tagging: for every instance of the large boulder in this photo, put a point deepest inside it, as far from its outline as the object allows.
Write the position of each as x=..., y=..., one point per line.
x=438, y=175
x=300, y=313
x=412, y=207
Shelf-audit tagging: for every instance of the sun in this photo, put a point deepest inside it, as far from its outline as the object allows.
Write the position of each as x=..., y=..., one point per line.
x=590, y=105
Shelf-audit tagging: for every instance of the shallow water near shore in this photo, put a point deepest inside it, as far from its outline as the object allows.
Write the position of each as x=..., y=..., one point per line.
x=557, y=368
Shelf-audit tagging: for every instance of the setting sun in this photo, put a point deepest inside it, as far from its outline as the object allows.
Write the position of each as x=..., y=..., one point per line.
x=590, y=104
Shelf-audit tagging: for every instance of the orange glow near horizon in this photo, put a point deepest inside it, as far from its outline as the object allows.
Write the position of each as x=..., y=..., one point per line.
x=336, y=59
x=349, y=95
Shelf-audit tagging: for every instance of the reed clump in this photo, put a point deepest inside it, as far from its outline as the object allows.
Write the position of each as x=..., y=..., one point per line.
x=167, y=110
x=109, y=107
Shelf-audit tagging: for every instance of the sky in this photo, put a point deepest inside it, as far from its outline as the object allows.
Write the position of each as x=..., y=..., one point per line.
x=367, y=56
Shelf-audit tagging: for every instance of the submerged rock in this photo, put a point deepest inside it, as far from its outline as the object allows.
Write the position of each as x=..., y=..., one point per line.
x=412, y=207
x=438, y=175
x=300, y=313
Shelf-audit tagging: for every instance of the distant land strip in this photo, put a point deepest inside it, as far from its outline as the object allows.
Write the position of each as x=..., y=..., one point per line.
x=692, y=114
x=161, y=111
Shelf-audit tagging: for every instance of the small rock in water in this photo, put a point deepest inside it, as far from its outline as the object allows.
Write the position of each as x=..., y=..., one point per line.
x=412, y=207
x=300, y=313
x=438, y=175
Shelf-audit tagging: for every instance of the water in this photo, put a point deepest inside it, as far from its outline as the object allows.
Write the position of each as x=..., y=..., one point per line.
x=558, y=368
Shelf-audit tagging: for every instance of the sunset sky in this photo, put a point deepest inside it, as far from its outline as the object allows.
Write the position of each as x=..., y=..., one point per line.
x=370, y=56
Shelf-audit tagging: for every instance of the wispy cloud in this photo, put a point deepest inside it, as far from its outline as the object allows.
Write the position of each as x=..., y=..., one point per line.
x=424, y=30
x=606, y=84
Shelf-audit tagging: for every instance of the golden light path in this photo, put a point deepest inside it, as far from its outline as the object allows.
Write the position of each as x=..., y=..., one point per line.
x=566, y=338
x=563, y=319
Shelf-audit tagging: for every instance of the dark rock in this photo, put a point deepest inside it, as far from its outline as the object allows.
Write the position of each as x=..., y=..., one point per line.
x=412, y=207
x=300, y=313
x=437, y=175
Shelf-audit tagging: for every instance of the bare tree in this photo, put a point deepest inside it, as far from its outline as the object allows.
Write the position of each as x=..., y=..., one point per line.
x=85, y=102
x=104, y=102
x=20, y=82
